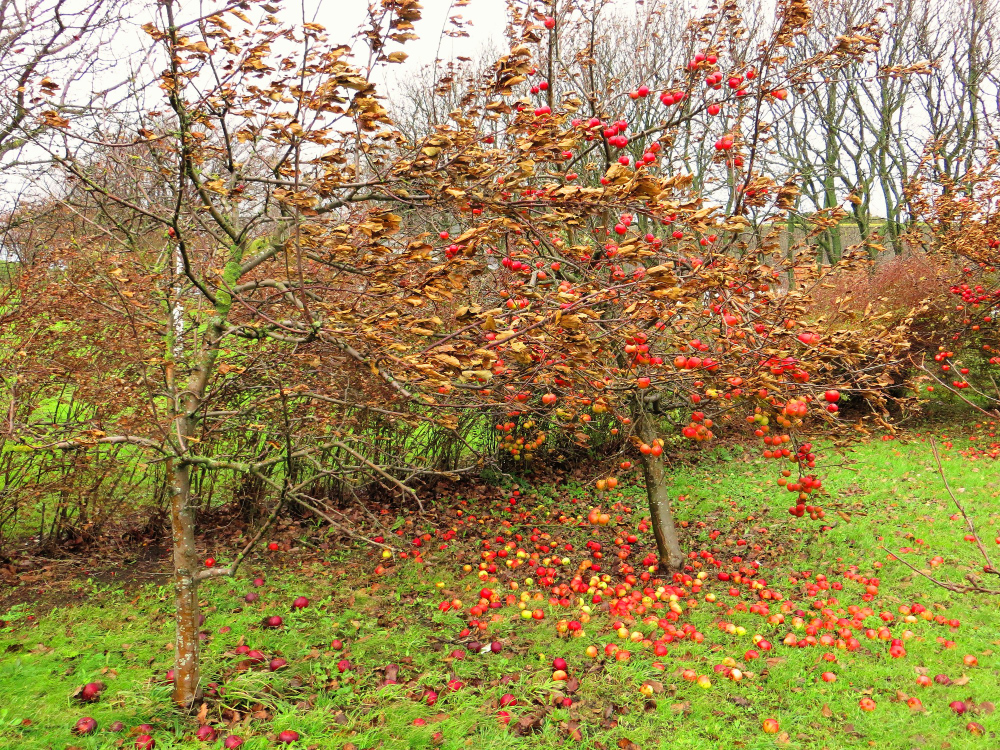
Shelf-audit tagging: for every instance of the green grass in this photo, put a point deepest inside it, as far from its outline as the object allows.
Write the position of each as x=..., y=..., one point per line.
x=890, y=491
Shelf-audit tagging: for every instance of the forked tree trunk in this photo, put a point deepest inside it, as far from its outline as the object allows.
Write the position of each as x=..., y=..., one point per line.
x=187, y=677
x=667, y=544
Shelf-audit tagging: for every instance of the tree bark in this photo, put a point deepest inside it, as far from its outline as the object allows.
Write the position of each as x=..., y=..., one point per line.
x=187, y=677
x=667, y=544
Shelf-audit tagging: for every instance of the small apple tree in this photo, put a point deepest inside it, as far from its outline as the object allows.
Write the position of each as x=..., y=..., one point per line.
x=619, y=293
x=220, y=286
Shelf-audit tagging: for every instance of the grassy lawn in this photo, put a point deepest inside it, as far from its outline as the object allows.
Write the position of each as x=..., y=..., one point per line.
x=886, y=497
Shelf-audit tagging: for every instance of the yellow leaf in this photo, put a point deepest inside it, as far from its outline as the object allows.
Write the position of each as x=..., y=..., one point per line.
x=198, y=46
x=449, y=360
x=483, y=374
x=520, y=352
x=661, y=270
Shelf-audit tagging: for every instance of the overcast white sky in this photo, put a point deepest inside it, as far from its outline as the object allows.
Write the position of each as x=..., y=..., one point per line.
x=488, y=17
x=342, y=19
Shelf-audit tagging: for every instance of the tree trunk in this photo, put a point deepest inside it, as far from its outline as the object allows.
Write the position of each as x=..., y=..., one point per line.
x=187, y=669
x=187, y=677
x=668, y=546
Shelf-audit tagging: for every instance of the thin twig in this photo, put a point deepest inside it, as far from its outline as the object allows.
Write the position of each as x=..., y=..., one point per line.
x=972, y=527
x=382, y=472
x=231, y=570
x=957, y=588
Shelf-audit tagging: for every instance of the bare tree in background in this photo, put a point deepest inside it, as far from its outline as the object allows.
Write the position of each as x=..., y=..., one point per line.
x=46, y=48
x=39, y=38
x=960, y=37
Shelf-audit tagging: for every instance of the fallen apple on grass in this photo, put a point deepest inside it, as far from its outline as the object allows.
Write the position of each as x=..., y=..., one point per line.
x=84, y=726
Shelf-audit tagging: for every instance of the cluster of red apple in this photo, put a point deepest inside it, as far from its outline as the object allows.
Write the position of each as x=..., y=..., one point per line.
x=986, y=433
x=647, y=613
x=628, y=603
x=977, y=310
x=699, y=429
x=144, y=740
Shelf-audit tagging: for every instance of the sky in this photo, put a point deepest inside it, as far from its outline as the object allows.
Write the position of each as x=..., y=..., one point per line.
x=342, y=19
x=487, y=18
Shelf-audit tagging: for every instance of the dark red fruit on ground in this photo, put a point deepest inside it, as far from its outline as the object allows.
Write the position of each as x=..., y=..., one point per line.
x=205, y=733
x=86, y=725
x=91, y=691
